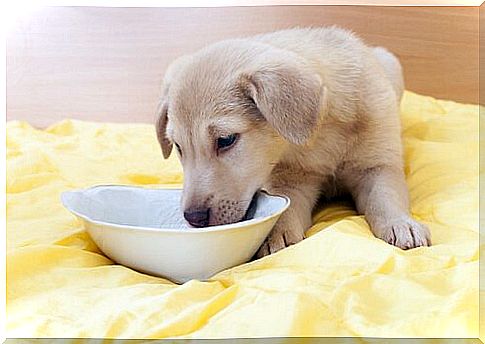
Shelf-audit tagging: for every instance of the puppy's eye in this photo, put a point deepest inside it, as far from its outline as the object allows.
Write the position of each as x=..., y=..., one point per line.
x=178, y=148
x=226, y=142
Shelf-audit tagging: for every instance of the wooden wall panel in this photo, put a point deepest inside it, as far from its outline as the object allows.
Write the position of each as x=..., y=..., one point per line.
x=105, y=64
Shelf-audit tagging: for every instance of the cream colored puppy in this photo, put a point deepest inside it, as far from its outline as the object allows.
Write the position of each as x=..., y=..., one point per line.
x=302, y=112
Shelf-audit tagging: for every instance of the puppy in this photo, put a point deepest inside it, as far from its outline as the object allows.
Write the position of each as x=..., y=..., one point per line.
x=301, y=112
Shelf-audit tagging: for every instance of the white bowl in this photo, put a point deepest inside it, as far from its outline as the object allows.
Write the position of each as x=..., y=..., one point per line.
x=144, y=229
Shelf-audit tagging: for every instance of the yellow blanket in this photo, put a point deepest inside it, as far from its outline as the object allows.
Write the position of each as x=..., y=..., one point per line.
x=341, y=281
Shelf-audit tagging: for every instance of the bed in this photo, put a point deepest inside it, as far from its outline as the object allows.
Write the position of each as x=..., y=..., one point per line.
x=341, y=281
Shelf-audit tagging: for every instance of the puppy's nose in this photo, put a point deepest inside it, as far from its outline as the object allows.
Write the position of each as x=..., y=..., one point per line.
x=197, y=217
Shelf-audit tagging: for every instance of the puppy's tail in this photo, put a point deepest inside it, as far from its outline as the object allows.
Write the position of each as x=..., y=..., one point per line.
x=392, y=68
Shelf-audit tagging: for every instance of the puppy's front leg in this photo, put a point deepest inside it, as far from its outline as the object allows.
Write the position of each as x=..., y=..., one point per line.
x=291, y=226
x=381, y=194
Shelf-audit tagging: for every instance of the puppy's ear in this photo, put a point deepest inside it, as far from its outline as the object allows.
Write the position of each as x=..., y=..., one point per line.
x=287, y=96
x=162, y=111
x=161, y=127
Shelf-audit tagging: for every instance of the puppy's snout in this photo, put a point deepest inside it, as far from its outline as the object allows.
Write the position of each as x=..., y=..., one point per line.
x=197, y=217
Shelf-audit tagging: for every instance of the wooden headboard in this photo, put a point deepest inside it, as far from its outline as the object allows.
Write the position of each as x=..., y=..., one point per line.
x=106, y=64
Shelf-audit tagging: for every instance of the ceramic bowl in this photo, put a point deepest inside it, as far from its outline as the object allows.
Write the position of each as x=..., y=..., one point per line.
x=144, y=229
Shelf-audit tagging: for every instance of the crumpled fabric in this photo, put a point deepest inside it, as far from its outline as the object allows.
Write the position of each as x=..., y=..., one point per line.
x=340, y=281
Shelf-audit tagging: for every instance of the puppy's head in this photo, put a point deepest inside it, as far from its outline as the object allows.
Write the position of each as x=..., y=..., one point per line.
x=231, y=112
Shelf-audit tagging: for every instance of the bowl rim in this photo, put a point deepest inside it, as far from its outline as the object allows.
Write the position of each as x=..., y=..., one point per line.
x=236, y=225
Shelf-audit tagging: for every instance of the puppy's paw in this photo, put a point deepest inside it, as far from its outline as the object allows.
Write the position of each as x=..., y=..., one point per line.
x=404, y=233
x=279, y=239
